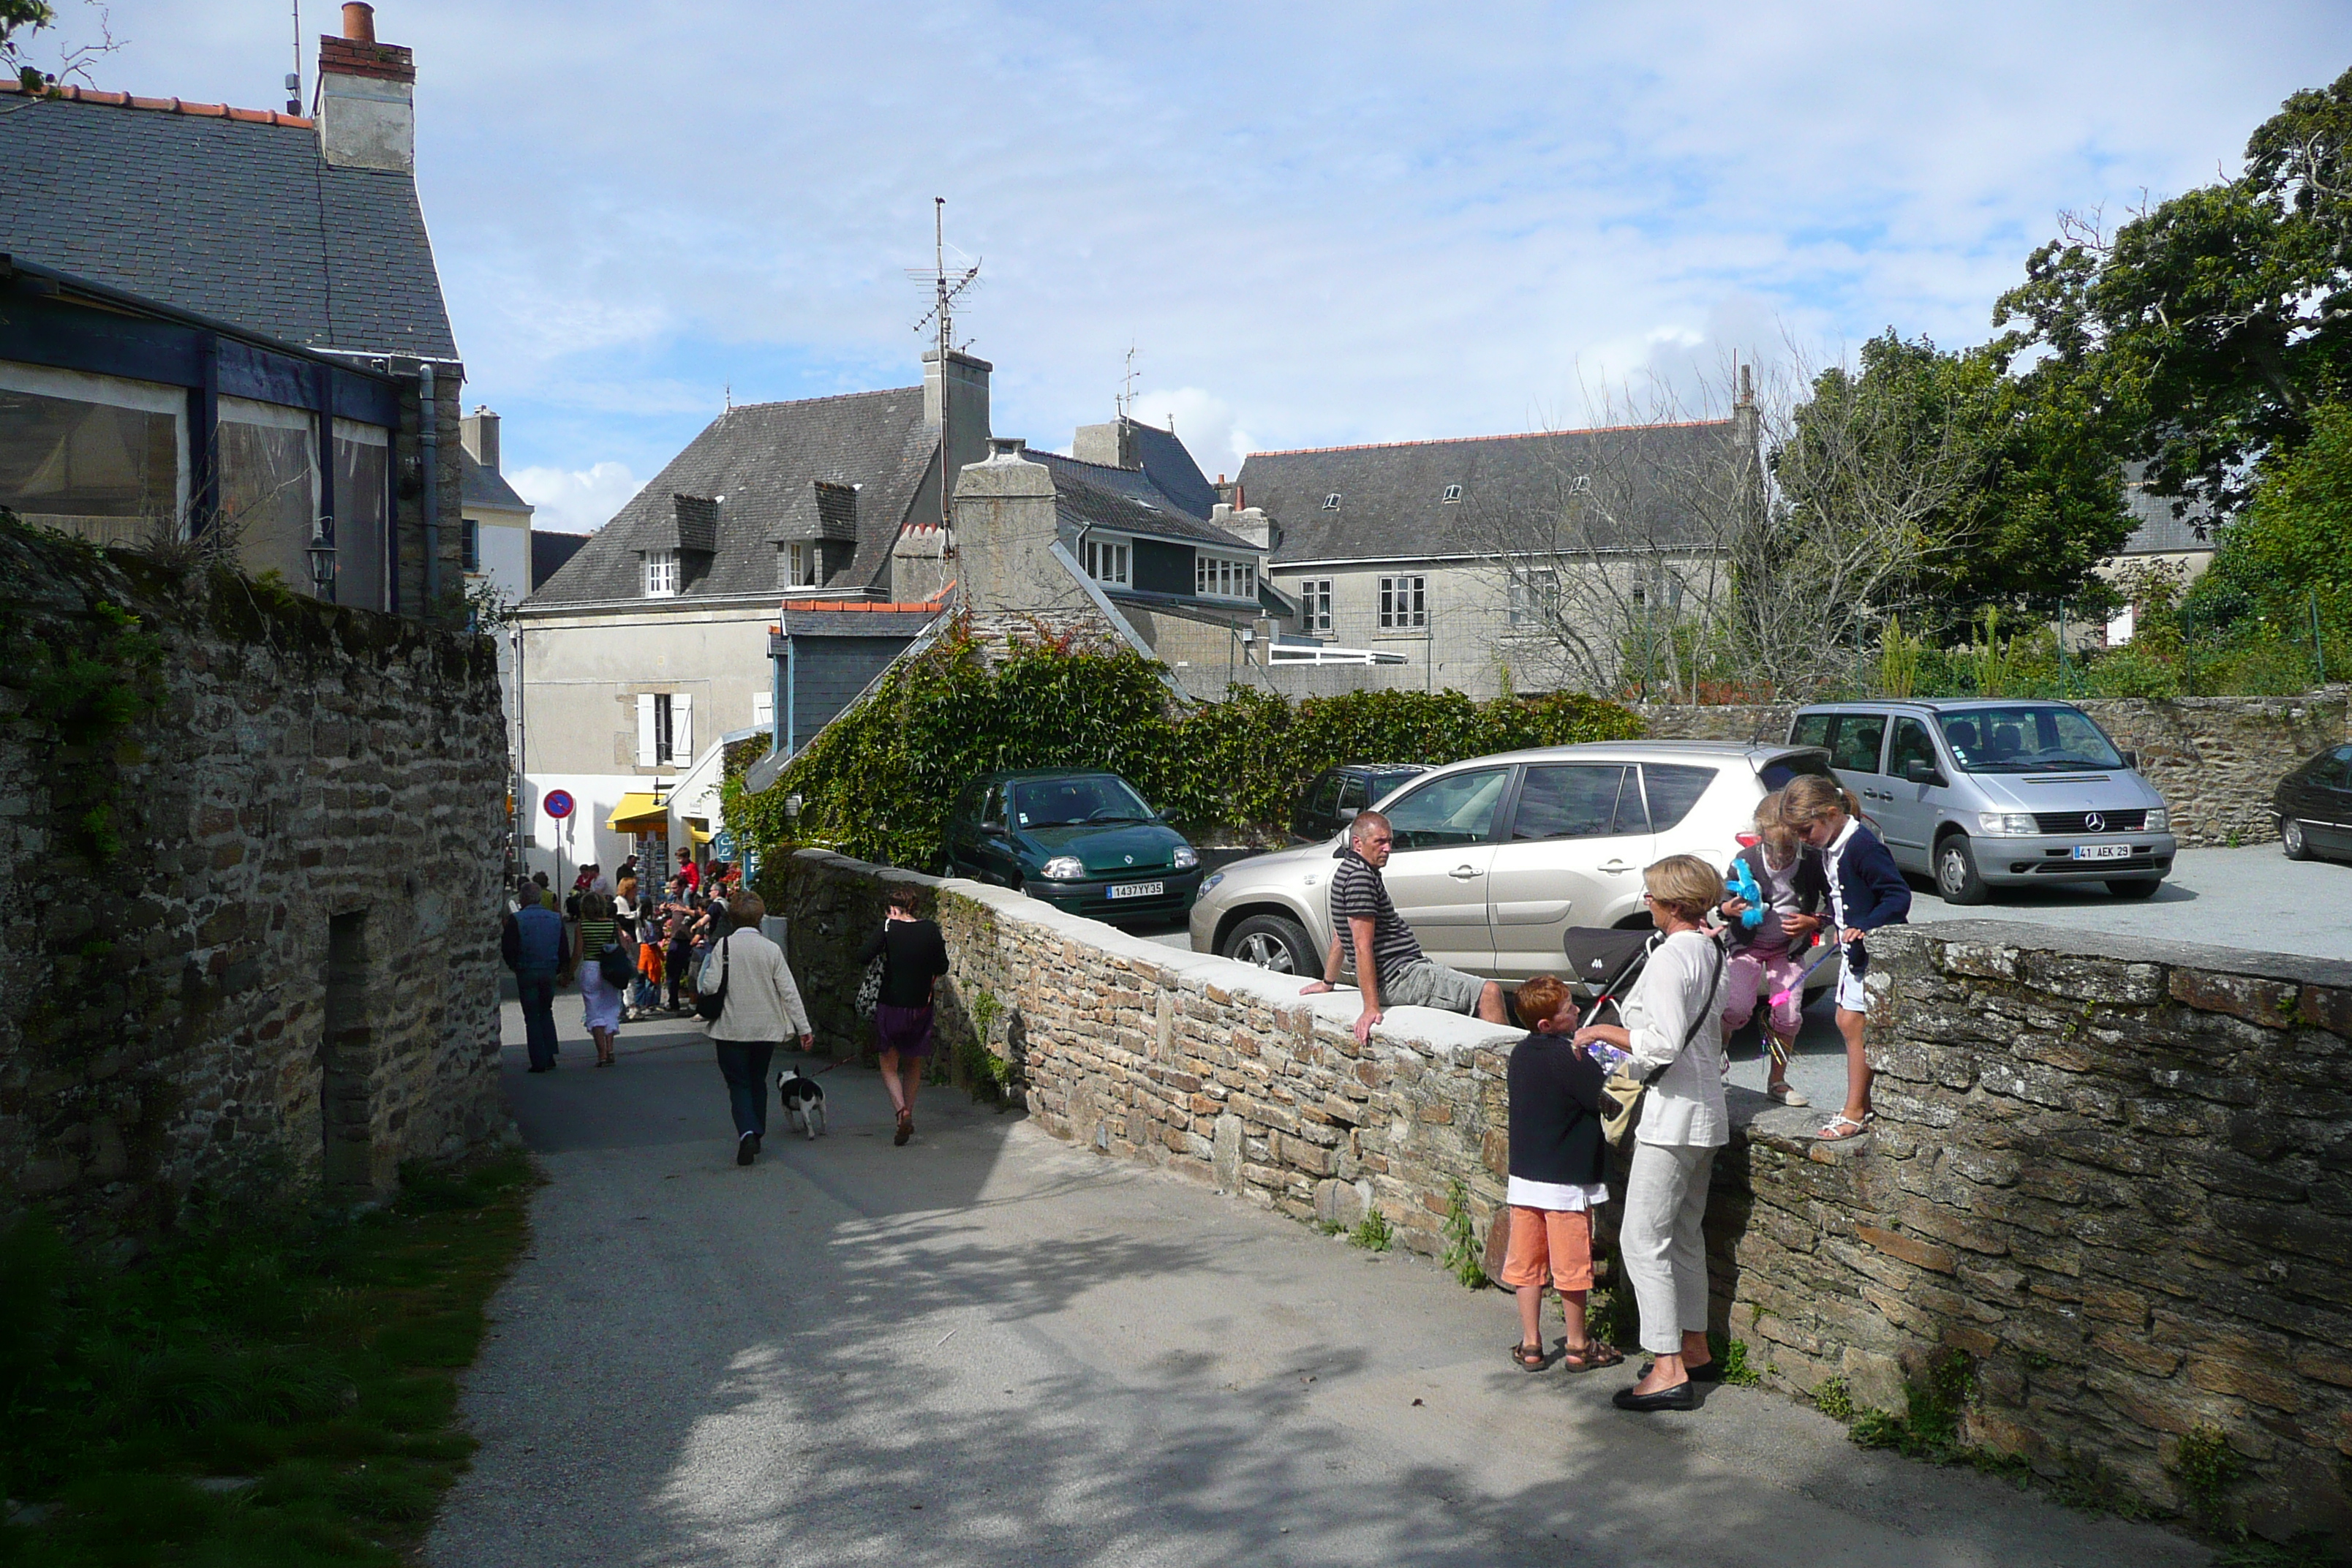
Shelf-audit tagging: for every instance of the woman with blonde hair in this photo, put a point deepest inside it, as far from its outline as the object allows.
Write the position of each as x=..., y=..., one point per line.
x=1866, y=891
x=600, y=999
x=1674, y=1032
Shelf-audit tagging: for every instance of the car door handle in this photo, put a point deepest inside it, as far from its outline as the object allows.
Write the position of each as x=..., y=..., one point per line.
x=1616, y=866
x=1463, y=873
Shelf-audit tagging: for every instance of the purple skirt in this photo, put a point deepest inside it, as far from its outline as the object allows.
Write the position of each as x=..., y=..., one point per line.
x=905, y=1030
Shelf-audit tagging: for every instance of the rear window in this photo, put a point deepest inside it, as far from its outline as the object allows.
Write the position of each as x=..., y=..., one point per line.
x=1673, y=788
x=1776, y=772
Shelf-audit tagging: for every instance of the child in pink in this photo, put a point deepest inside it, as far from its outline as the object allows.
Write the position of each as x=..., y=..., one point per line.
x=1763, y=959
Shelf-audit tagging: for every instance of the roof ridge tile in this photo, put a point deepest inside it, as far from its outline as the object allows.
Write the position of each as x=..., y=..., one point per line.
x=1465, y=440
x=72, y=93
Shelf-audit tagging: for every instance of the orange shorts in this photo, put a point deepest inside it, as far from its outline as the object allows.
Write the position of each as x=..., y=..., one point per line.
x=1557, y=1240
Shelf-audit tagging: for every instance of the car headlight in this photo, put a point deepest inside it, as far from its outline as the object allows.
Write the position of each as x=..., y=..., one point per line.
x=2159, y=820
x=1210, y=881
x=1063, y=868
x=2007, y=825
x=1186, y=856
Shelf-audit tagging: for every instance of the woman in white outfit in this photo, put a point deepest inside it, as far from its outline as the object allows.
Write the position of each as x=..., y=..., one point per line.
x=1673, y=1022
x=762, y=1010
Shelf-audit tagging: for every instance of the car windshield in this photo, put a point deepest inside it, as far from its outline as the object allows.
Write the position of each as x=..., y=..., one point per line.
x=1059, y=803
x=2026, y=738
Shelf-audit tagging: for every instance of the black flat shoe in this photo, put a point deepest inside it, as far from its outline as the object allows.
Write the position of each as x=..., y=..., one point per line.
x=1711, y=1372
x=1678, y=1397
x=747, y=1148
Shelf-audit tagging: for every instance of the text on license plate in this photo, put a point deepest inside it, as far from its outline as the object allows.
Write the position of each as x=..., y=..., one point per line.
x=2102, y=851
x=1138, y=889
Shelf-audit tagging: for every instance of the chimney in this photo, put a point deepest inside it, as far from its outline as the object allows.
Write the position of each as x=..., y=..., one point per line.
x=964, y=391
x=367, y=98
x=480, y=432
x=1006, y=524
x=1111, y=445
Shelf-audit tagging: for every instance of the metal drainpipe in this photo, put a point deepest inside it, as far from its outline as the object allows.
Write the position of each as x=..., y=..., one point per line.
x=792, y=686
x=430, y=416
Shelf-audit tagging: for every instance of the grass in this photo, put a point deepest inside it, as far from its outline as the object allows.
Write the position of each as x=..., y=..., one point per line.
x=307, y=1359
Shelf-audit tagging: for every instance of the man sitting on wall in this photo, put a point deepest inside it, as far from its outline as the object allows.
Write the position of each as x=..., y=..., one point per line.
x=1363, y=921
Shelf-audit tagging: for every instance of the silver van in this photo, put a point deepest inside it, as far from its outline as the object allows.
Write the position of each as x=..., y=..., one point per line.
x=1984, y=790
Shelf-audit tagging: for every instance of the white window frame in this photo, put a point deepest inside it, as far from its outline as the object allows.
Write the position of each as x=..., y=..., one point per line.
x=1223, y=577
x=1315, y=605
x=1453, y=494
x=1110, y=561
x=1331, y=501
x=112, y=391
x=1404, y=603
x=661, y=575
x=804, y=565
x=1532, y=594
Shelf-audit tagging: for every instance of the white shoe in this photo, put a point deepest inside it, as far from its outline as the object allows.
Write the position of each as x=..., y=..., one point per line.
x=1787, y=1094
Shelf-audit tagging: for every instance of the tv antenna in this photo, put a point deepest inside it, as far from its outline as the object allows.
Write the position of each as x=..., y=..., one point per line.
x=947, y=288
x=294, y=76
x=1126, y=399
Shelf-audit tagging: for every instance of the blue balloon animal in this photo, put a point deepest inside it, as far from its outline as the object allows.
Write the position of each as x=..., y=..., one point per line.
x=1741, y=884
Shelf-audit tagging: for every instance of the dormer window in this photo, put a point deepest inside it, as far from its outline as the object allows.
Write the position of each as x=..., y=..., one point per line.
x=1222, y=577
x=803, y=565
x=1331, y=501
x=661, y=574
x=1580, y=486
x=1108, y=561
x=1452, y=493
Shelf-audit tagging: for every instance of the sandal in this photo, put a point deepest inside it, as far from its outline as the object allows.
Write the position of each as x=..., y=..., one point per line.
x=1831, y=1134
x=1529, y=1358
x=1592, y=1356
x=905, y=1128
x=1784, y=1094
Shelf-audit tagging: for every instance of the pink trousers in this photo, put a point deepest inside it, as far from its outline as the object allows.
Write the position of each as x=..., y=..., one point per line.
x=1748, y=976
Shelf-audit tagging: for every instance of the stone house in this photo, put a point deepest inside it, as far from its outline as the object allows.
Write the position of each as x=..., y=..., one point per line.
x=1455, y=554
x=229, y=321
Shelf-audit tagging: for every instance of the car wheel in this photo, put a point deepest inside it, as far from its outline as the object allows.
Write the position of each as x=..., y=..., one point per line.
x=2291, y=840
x=1956, y=873
x=1270, y=941
x=2136, y=887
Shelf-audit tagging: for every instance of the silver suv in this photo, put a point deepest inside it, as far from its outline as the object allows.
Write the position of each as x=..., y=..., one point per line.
x=1497, y=856
x=1983, y=791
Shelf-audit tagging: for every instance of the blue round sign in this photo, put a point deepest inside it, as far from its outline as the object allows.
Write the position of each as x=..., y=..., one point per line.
x=557, y=803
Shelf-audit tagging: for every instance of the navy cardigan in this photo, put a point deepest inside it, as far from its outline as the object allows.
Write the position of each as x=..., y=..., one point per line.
x=1873, y=889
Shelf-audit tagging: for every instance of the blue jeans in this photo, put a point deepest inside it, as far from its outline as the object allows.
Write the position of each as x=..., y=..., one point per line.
x=744, y=1063
x=537, y=987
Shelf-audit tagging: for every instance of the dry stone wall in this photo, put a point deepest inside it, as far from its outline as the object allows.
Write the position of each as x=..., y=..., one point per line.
x=2117, y=1176
x=2215, y=760
x=284, y=968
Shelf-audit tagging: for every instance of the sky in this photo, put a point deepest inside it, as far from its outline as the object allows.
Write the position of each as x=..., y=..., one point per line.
x=1314, y=225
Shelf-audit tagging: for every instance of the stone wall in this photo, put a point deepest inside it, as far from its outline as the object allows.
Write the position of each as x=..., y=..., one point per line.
x=247, y=926
x=2117, y=1174
x=2112, y=1174
x=2215, y=760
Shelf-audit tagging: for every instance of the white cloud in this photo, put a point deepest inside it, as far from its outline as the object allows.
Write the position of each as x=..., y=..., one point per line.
x=574, y=501
x=1204, y=422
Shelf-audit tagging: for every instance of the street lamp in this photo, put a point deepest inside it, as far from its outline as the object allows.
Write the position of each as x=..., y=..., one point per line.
x=322, y=552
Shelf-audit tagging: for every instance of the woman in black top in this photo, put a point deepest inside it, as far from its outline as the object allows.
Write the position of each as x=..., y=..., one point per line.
x=914, y=956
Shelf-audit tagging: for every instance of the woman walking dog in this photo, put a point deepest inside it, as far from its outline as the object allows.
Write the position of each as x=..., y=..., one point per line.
x=759, y=1008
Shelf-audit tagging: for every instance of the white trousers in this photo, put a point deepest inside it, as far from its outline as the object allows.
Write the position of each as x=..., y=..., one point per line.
x=1663, y=1243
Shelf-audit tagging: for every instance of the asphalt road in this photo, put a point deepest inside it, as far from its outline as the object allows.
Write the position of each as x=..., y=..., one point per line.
x=989, y=1347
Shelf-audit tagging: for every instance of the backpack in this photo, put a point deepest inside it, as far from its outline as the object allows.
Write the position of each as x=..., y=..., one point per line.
x=710, y=1003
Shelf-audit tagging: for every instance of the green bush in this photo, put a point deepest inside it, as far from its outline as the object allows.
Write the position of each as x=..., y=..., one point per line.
x=877, y=782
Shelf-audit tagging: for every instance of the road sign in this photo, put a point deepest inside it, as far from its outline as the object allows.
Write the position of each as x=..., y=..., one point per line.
x=557, y=803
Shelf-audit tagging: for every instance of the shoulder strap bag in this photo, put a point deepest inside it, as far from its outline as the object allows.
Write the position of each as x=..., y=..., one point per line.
x=1621, y=1093
x=710, y=1002
x=869, y=985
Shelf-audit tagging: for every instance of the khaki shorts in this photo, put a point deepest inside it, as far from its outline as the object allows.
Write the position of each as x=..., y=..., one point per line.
x=1556, y=1240
x=1424, y=983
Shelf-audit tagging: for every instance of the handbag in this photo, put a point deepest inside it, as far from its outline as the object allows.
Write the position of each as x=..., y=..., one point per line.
x=869, y=987
x=1621, y=1093
x=709, y=1005
x=617, y=964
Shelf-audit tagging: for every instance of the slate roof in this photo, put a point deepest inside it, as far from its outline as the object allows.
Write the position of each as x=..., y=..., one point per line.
x=1130, y=501
x=2155, y=531
x=227, y=214
x=479, y=486
x=1392, y=504
x=548, y=552
x=1170, y=467
x=764, y=459
x=824, y=619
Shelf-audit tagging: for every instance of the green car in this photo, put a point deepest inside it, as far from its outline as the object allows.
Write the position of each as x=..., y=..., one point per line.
x=1080, y=840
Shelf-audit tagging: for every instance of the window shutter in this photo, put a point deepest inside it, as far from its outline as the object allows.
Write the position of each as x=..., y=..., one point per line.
x=763, y=709
x=681, y=729
x=645, y=729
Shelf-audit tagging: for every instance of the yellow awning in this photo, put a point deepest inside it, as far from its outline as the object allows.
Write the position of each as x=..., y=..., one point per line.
x=696, y=829
x=639, y=812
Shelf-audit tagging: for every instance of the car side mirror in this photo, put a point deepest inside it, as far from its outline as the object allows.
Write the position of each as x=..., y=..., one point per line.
x=1171, y=816
x=1918, y=770
x=993, y=830
x=2131, y=760
x=1347, y=813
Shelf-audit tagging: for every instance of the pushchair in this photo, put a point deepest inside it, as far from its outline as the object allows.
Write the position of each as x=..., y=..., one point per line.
x=1603, y=962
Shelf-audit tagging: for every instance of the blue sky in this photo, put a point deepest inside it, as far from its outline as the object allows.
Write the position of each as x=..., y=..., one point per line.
x=1315, y=224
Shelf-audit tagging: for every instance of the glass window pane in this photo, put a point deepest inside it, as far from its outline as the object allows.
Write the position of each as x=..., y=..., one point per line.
x=2027, y=738
x=87, y=469
x=360, y=574
x=265, y=500
x=1326, y=798
x=1912, y=745
x=1456, y=810
x=1574, y=801
x=1855, y=744
x=1673, y=788
x=1812, y=730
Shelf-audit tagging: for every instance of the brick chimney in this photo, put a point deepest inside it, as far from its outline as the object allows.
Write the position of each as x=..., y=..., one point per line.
x=367, y=97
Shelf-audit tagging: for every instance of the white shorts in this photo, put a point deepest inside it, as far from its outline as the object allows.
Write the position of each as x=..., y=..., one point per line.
x=1851, y=997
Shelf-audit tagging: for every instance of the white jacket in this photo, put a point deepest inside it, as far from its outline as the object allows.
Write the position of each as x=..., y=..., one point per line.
x=1684, y=1106
x=762, y=1001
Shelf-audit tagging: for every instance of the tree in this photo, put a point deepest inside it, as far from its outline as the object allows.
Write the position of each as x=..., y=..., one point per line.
x=2209, y=327
x=2296, y=534
x=21, y=21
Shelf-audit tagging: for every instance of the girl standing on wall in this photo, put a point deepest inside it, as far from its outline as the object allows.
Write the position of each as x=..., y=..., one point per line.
x=1866, y=891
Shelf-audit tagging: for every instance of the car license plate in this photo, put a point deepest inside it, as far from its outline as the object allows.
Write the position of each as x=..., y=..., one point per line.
x=2102, y=851
x=1138, y=889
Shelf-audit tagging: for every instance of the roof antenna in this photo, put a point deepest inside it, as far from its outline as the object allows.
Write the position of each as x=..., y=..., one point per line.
x=946, y=286
x=294, y=76
x=1125, y=401
x=729, y=395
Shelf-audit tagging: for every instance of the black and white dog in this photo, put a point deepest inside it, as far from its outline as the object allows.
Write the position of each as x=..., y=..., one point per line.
x=804, y=1100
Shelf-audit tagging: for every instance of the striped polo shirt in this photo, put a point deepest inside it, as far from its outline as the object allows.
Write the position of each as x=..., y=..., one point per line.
x=1358, y=892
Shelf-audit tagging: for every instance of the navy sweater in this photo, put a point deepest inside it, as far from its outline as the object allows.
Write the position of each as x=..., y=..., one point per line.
x=1873, y=888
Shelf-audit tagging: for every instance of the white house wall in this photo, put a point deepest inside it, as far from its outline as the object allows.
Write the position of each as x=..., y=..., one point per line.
x=583, y=671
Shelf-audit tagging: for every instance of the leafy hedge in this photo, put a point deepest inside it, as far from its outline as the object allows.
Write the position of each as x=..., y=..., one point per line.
x=877, y=782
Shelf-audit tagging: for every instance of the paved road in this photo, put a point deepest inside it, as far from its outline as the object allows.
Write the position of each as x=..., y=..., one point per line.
x=989, y=1347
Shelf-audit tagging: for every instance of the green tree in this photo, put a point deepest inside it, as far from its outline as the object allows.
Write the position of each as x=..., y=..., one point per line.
x=2211, y=326
x=2296, y=534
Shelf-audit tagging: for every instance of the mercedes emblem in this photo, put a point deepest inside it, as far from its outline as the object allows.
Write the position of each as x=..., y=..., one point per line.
x=2096, y=822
